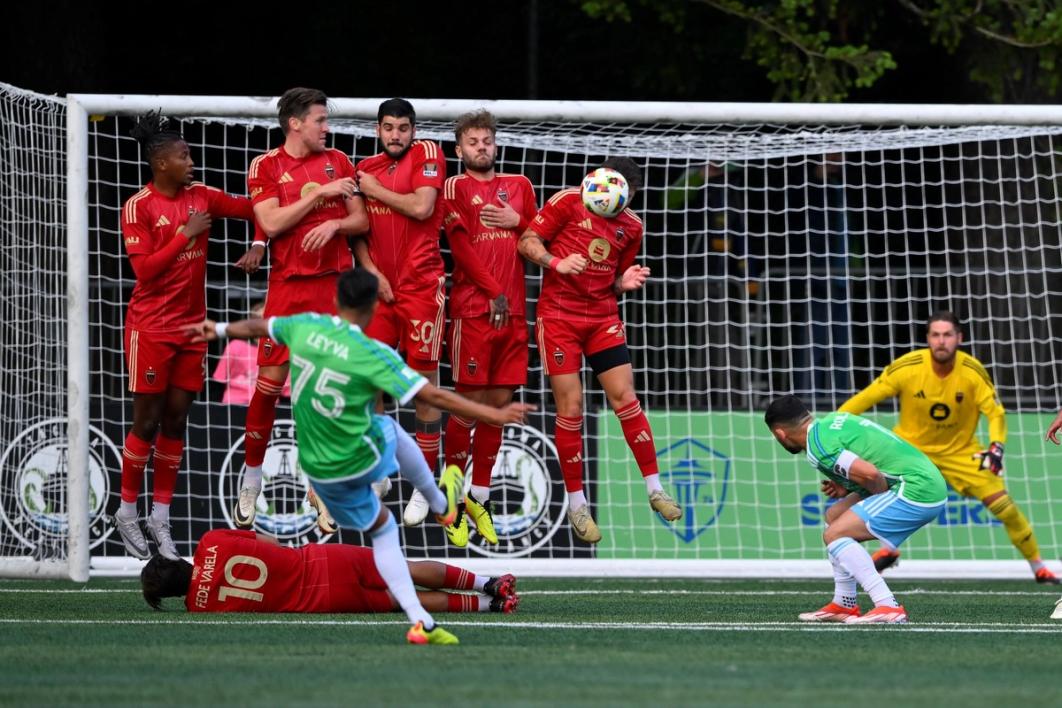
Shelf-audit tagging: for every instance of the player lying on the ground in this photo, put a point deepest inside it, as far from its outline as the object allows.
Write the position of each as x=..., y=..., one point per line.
x=239, y=571
x=887, y=490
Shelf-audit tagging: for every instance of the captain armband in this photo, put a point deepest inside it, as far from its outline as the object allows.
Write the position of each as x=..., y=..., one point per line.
x=844, y=463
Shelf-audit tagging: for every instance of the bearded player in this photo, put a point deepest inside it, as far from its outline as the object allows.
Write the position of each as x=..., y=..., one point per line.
x=401, y=185
x=240, y=571
x=166, y=229
x=943, y=392
x=589, y=263
x=484, y=213
x=305, y=201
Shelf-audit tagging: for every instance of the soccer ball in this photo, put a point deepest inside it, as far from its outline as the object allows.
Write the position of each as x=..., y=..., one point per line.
x=605, y=192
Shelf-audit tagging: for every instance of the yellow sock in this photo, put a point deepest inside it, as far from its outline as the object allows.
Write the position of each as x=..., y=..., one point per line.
x=1017, y=526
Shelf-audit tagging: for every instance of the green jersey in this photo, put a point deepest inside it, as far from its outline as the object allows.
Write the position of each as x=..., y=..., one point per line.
x=909, y=472
x=336, y=372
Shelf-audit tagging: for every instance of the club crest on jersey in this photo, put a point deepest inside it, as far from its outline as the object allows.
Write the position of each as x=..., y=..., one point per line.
x=503, y=195
x=431, y=169
x=330, y=171
x=471, y=366
x=620, y=234
x=149, y=375
x=33, y=472
x=267, y=346
x=283, y=511
x=698, y=477
x=527, y=493
x=392, y=167
x=958, y=397
x=558, y=356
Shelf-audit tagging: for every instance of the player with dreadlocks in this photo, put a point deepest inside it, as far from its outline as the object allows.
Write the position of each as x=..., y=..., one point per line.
x=166, y=228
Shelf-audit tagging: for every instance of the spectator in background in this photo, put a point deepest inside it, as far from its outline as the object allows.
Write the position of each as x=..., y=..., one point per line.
x=818, y=247
x=708, y=247
x=238, y=367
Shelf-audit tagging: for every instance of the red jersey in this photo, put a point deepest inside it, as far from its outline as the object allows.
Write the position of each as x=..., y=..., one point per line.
x=234, y=571
x=406, y=250
x=169, y=295
x=611, y=245
x=486, y=261
x=278, y=175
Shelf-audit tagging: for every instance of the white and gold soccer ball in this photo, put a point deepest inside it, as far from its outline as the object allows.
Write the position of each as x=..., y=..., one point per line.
x=605, y=192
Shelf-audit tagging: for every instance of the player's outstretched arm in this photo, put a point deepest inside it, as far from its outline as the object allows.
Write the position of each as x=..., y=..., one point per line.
x=455, y=403
x=209, y=330
x=533, y=248
x=1054, y=428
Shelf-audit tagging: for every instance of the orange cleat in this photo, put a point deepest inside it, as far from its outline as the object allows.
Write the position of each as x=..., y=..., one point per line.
x=1046, y=577
x=830, y=613
x=884, y=558
x=881, y=615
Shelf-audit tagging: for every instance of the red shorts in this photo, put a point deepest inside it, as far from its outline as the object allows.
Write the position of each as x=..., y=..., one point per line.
x=354, y=584
x=483, y=356
x=413, y=324
x=158, y=360
x=563, y=343
x=292, y=297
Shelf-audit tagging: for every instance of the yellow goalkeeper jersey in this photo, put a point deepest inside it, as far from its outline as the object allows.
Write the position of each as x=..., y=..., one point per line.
x=937, y=415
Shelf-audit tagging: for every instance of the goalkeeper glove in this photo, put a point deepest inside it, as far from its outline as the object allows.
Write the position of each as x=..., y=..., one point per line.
x=992, y=458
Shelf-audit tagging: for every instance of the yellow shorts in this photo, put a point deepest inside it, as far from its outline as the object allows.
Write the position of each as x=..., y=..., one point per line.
x=965, y=475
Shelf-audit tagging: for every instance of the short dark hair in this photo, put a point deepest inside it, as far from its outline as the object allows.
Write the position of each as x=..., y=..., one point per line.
x=296, y=103
x=944, y=316
x=357, y=289
x=475, y=119
x=786, y=411
x=396, y=108
x=162, y=577
x=628, y=168
x=152, y=131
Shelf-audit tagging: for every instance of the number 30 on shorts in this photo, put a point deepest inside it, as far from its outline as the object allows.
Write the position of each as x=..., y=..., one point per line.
x=422, y=331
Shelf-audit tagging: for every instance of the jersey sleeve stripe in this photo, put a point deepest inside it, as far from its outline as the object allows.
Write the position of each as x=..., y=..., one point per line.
x=980, y=371
x=633, y=215
x=130, y=206
x=561, y=195
x=906, y=360
x=821, y=452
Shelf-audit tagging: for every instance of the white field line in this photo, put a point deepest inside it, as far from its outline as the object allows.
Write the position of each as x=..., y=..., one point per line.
x=614, y=591
x=245, y=621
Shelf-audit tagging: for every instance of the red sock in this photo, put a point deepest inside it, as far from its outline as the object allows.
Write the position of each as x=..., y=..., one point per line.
x=458, y=578
x=458, y=440
x=168, y=453
x=484, y=452
x=456, y=602
x=429, y=445
x=639, y=437
x=135, y=456
x=261, y=413
x=568, y=437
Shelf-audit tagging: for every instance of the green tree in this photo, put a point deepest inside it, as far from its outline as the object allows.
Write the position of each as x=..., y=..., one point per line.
x=823, y=50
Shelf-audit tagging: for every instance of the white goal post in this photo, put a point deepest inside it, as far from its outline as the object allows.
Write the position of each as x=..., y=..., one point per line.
x=927, y=206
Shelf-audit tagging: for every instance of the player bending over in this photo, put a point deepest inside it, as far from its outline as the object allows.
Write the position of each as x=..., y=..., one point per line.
x=1052, y=435
x=887, y=490
x=337, y=372
x=239, y=571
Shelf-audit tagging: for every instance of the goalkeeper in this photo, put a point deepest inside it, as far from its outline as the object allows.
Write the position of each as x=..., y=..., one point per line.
x=241, y=571
x=942, y=392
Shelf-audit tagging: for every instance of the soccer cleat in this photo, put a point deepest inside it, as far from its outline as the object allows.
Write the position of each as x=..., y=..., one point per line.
x=506, y=605
x=832, y=612
x=381, y=487
x=482, y=517
x=664, y=505
x=457, y=532
x=160, y=534
x=1057, y=614
x=416, y=510
x=884, y=558
x=418, y=635
x=583, y=525
x=132, y=537
x=881, y=615
x=325, y=522
x=451, y=484
x=1046, y=577
x=246, y=507
x=502, y=586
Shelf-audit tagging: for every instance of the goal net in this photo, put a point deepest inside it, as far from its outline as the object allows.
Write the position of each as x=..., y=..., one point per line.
x=789, y=252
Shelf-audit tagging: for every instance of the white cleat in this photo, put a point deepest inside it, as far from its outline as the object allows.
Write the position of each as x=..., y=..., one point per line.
x=881, y=615
x=416, y=510
x=1057, y=614
x=382, y=487
x=325, y=522
x=246, y=507
x=160, y=533
x=132, y=537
